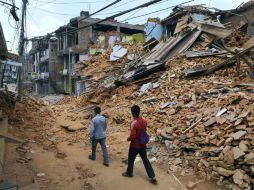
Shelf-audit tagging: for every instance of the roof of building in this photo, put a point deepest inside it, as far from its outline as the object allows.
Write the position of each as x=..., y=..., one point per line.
x=91, y=20
x=180, y=11
x=240, y=9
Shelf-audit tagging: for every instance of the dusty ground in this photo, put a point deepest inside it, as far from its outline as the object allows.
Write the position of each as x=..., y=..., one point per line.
x=66, y=165
x=76, y=171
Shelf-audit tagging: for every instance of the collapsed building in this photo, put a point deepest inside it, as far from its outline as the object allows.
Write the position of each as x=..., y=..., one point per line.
x=56, y=58
x=194, y=82
x=242, y=17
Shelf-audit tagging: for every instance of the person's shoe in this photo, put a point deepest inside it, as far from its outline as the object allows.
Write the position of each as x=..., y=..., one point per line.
x=91, y=158
x=154, y=181
x=106, y=164
x=124, y=174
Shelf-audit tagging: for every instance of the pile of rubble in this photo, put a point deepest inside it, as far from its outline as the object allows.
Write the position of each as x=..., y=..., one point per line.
x=206, y=123
x=194, y=89
x=35, y=121
x=7, y=101
x=209, y=123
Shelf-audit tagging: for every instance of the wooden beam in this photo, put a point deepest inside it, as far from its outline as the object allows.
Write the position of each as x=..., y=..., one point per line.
x=192, y=126
x=11, y=138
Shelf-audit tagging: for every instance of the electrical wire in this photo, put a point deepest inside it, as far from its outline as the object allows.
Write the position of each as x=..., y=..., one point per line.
x=102, y=9
x=156, y=11
x=66, y=3
x=78, y=29
x=77, y=2
x=209, y=3
x=131, y=1
x=56, y=13
x=133, y=14
x=34, y=21
x=113, y=16
x=125, y=4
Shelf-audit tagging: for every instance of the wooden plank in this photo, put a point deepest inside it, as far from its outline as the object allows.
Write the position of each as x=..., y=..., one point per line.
x=248, y=61
x=215, y=30
x=192, y=126
x=11, y=138
x=249, y=43
x=182, y=24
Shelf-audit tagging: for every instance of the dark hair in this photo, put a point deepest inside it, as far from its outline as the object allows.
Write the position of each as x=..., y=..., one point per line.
x=135, y=110
x=97, y=110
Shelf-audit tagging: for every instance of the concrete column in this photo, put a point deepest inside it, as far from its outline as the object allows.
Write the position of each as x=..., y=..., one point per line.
x=118, y=29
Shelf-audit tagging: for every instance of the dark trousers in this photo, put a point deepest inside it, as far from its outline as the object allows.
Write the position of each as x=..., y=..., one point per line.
x=131, y=158
x=103, y=147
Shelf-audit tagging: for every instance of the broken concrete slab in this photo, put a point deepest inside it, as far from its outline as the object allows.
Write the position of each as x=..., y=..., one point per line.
x=76, y=127
x=243, y=115
x=238, y=153
x=224, y=172
x=243, y=146
x=238, y=177
x=249, y=158
x=228, y=155
x=238, y=135
x=210, y=122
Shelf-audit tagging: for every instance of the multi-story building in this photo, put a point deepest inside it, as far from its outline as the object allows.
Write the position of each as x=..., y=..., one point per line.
x=72, y=43
x=39, y=57
x=8, y=63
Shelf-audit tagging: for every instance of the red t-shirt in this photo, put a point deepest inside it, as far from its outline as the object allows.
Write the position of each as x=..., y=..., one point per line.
x=136, y=126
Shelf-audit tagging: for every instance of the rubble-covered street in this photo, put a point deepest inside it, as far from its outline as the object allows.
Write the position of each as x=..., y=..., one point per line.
x=191, y=73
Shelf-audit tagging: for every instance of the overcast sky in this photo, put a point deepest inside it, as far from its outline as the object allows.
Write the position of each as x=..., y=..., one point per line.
x=44, y=16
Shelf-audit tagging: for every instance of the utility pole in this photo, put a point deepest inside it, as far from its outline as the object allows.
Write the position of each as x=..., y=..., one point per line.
x=21, y=50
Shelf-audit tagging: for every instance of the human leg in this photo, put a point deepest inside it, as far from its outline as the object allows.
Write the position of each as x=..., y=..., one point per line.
x=131, y=158
x=147, y=164
x=94, y=146
x=104, y=151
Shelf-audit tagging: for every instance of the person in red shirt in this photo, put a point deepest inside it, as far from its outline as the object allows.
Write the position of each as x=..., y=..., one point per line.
x=136, y=148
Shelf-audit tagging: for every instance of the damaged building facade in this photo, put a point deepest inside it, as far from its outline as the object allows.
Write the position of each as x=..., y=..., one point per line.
x=56, y=57
x=241, y=17
x=8, y=63
x=39, y=57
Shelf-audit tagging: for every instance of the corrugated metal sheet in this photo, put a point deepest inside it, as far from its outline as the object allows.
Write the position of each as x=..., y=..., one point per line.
x=173, y=46
x=185, y=43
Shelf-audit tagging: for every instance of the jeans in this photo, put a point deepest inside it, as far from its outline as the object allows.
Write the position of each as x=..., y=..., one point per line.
x=103, y=147
x=131, y=158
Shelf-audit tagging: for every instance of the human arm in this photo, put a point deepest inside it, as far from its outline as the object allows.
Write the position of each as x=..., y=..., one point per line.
x=91, y=131
x=106, y=124
x=133, y=132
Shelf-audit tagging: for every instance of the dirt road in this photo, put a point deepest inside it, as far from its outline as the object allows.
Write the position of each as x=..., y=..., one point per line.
x=59, y=163
x=76, y=171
